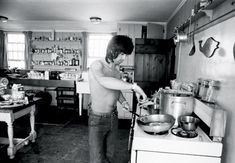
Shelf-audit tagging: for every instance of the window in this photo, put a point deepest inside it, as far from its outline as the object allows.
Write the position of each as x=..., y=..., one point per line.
x=16, y=50
x=97, y=44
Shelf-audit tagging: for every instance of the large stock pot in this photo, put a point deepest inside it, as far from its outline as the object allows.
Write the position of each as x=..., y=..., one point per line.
x=176, y=104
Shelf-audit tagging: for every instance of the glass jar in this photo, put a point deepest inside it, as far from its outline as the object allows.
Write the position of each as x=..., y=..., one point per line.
x=203, y=89
x=213, y=87
x=199, y=84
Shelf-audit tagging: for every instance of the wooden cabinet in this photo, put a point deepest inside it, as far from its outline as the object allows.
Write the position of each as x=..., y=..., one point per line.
x=154, y=63
x=57, y=50
x=133, y=31
x=122, y=114
x=155, y=31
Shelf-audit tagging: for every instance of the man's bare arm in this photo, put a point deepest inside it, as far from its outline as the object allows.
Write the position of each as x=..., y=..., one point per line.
x=113, y=83
x=108, y=82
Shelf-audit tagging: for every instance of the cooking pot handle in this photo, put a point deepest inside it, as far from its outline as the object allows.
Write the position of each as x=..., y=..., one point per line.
x=178, y=102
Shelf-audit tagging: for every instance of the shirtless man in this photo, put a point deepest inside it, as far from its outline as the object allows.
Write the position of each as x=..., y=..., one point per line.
x=105, y=88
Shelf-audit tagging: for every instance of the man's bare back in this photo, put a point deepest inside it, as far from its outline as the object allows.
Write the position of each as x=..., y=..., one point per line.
x=103, y=99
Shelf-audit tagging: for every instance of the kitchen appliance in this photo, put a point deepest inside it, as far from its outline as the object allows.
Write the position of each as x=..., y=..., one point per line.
x=173, y=148
x=176, y=103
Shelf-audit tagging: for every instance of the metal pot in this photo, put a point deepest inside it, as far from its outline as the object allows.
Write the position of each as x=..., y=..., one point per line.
x=189, y=123
x=176, y=104
x=156, y=123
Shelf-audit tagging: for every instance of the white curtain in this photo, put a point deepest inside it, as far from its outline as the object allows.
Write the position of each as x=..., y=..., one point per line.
x=28, y=51
x=3, y=50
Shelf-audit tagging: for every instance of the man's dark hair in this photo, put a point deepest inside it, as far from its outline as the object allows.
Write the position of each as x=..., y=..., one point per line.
x=118, y=44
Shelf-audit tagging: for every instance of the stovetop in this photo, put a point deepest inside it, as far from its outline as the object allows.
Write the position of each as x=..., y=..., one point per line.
x=170, y=143
x=201, y=136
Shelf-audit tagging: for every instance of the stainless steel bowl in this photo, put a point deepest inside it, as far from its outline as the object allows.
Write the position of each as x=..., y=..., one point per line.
x=156, y=123
x=189, y=123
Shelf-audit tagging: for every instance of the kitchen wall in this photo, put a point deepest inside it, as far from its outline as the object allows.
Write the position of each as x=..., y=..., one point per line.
x=219, y=67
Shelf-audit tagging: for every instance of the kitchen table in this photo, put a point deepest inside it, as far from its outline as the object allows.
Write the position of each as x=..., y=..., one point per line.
x=9, y=114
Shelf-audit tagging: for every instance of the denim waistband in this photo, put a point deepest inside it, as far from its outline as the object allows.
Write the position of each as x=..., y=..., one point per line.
x=113, y=113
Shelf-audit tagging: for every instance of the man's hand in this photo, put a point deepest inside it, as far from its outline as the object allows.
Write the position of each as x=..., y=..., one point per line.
x=139, y=92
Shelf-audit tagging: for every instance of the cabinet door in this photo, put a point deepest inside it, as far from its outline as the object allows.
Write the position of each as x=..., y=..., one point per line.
x=122, y=114
x=144, y=157
x=133, y=31
x=155, y=31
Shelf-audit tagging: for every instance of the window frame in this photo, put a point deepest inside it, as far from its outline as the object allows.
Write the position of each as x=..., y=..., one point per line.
x=96, y=57
x=16, y=44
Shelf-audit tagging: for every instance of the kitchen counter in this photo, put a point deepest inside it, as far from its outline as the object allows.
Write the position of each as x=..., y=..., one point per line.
x=42, y=83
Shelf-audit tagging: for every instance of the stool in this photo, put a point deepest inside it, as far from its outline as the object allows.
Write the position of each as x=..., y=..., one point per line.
x=66, y=97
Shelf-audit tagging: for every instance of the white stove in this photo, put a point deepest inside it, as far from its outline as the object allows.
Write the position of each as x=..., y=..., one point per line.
x=169, y=148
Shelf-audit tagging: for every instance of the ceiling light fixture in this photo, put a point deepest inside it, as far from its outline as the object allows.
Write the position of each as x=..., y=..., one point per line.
x=95, y=20
x=3, y=19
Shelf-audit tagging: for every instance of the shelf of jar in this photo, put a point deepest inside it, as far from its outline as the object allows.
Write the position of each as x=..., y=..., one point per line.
x=57, y=67
x=58, y=41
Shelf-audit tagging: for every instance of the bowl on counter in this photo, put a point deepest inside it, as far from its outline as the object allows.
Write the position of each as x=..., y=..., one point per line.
x=189, y=123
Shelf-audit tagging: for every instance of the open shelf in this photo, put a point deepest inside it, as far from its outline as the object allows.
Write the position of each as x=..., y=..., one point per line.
x=204, y=11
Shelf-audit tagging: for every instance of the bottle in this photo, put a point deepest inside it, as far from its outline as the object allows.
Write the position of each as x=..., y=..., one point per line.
x=46, y=75
x=199, y=84
x=213, y=87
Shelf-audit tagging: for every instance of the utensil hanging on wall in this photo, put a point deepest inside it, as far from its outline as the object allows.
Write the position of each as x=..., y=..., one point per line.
x=209, y=48
x=193, y=49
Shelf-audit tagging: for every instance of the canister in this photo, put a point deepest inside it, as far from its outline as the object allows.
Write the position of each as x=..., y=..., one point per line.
x=212, y=91
x=203, y=89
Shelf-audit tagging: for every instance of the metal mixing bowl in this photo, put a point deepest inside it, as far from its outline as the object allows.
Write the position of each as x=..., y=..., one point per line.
x=188, y=123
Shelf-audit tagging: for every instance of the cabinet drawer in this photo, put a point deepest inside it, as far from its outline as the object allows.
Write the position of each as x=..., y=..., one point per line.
x=144, y=157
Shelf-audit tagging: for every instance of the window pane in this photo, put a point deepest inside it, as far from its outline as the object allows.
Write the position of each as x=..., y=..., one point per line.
x=97, y=44
x=21, y=38
x=11, y=37
x=20, y=56
x=20, y=47
x=18, y=64
x=14, y=55
x=9, y=47
x=9, y=55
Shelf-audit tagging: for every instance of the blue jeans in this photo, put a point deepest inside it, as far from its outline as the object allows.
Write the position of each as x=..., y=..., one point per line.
x=102, y=136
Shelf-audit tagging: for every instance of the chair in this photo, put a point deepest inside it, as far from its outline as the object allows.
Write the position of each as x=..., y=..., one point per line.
x=66, y=97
